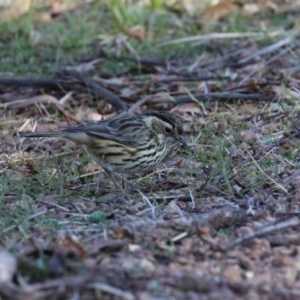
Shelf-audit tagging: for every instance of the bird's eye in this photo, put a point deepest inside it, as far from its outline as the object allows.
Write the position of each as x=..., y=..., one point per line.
x=168, y=130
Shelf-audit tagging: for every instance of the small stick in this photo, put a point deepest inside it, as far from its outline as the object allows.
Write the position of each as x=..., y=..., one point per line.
x=263, y=231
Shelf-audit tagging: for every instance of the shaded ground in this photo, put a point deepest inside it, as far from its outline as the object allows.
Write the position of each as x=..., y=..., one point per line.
x=220, y=221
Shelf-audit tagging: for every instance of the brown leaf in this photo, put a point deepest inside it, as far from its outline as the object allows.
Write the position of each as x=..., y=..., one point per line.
x=91, y=167
x=233, y=273
x=171, y=208
x=137, y=32
x=181, y=162
x=245, y=108
x=15, y=9
x=248, y=135
x=191, y=108
x=218, y=11
x=122, y=234
x=69, y=244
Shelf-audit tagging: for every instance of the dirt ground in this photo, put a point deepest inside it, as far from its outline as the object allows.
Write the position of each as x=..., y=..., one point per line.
x=218, y=220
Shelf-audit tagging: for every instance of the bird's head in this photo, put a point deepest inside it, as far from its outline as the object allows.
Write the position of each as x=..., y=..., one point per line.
x=167, y=126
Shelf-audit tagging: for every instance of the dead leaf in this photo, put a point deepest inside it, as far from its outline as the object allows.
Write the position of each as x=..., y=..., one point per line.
x=248, y=108
x=172, y=208
x=91, y=167
x=248, y=135
x=15, y=9
x=8, y=266
x=56, y=7
x=42, y=16
x=88, y=114
x=137, y=32
x=70, y=244
x=271, y=128
x=250, y=9
x=271, y=5
x=59, y=6
x=181, y=162
x=218, y=11
x=123, y=234
x=190, y=108
x=282, y=92
x=233, y=273
x=138, y=264
x=237, y=154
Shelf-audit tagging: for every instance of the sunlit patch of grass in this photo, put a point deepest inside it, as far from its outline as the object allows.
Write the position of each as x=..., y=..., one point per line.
x=126, y=15
x=56, y=45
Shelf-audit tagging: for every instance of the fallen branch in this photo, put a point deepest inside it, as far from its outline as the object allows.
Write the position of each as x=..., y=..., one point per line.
x=211, y=97
x=98, y=90
x=92, y=88
x=21, y=103
x=262, y=231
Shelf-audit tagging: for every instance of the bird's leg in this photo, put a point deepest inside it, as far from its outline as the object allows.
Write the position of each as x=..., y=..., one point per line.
x=113, y=174
x=110, y=175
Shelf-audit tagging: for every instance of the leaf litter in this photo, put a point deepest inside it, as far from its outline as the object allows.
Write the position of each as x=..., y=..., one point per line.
x=217, y=220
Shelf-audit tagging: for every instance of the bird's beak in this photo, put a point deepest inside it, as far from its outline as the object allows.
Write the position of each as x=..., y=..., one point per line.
x=181, y=140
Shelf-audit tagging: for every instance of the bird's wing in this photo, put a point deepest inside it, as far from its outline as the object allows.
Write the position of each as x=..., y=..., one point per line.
x=114, y=130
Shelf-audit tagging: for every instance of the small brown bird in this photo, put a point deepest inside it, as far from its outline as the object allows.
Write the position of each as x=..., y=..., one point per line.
x=125, y=144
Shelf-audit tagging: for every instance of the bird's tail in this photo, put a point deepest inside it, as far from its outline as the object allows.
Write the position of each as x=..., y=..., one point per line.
x=75, y=136
x=40, y=134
